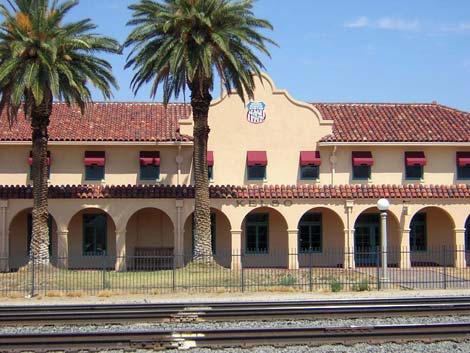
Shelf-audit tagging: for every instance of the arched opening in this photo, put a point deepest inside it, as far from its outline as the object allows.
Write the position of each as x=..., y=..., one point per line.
x=264, y=239
x=321, y=238
x=221, y=239
x=431, y=231
x=149, y=240
x=20, y=232
x=367, y=238
x=91, y=240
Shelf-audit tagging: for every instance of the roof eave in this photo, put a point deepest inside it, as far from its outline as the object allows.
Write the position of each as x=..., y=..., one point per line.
x=391, y=143
x=106, y=143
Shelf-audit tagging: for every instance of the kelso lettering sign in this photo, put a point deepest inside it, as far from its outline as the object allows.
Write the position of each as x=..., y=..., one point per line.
x=261, y=203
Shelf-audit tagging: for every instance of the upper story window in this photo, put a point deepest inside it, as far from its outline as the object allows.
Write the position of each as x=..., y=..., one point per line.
x=414, y=165
x=149, y=165
x=210, y=165
x=94, y=234
x=257, y=232
x=463, y=165
x=30, y=162
x=256, y=162
x=94, y=165
x=309, y=165
x=362, y=162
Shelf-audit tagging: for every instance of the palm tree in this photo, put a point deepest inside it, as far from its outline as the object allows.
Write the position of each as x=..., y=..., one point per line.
x=184, y=44
x=42, y=59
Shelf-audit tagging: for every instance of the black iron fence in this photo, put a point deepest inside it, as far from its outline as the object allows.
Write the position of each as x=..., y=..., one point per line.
x=334, y=270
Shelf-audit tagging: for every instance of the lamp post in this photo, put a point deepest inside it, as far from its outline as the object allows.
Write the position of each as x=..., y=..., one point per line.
x=383, y=205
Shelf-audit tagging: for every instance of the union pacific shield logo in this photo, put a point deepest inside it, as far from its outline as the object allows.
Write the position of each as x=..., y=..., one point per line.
x=256, y=112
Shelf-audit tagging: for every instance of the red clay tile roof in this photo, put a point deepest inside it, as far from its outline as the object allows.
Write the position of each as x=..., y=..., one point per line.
x=388, y=122
x=107, y=122
x=246, y=192
x=353, y=122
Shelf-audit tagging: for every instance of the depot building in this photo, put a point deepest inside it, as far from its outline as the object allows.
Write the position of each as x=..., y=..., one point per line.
x=293, y=183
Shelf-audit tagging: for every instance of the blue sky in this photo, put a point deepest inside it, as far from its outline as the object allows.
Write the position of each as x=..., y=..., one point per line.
x=343, y=50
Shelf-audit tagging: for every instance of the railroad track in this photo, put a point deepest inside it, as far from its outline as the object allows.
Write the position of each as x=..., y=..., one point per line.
x=193, y=312
x=185, y=339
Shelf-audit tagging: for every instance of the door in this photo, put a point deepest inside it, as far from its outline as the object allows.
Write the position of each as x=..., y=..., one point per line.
x=366, y=240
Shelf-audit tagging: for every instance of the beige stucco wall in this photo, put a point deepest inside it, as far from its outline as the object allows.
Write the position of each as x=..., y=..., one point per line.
x=121, y=168
x=149, y=228
x=389, y=164
x=290, y=127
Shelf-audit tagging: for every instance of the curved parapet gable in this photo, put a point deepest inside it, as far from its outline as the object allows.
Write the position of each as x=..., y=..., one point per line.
x=265, y=78
x=272, y=122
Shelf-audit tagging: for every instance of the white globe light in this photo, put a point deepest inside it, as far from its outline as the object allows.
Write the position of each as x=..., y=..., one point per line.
x=383, y=204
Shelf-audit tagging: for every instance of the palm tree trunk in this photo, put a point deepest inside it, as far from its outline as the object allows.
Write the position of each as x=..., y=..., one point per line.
x=200, y=101
x=40, y=235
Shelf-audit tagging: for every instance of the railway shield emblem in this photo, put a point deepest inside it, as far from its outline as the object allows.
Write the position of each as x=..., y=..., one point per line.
x=256, y=112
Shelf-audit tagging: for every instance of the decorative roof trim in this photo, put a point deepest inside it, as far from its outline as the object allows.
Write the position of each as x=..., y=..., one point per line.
x=100, y=142
x=345, y=192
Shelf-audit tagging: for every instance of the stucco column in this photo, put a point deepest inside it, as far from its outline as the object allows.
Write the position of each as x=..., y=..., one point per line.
x=63, y=247
x=178, y=251
x=348, y=259
x=236, y=249
x=120, y=250
x=459, y=255
x=405, y=254
x=293, y=249
x=4, y=251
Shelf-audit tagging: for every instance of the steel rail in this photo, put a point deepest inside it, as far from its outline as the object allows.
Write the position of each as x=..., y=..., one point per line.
x=28, y=315
x=184, y=339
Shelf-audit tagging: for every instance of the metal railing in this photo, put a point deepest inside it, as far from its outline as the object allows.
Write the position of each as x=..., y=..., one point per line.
x=332, y=270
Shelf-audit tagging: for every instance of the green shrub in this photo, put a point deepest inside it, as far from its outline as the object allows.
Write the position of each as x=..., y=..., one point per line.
x=361, y=286
x=335, y=285
x=287, y=280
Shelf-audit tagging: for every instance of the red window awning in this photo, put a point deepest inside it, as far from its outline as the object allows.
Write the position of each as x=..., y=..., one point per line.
x=30, y=159
x=256, y=158
x=94, y=158
x=463, y=159
x=210, y=158
x=360, y=158
x=415, y=158
x=149, y=158
x=310, y=158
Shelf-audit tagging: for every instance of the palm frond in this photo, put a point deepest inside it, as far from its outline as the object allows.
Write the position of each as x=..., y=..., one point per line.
x=41, y=53
x=181, y=44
